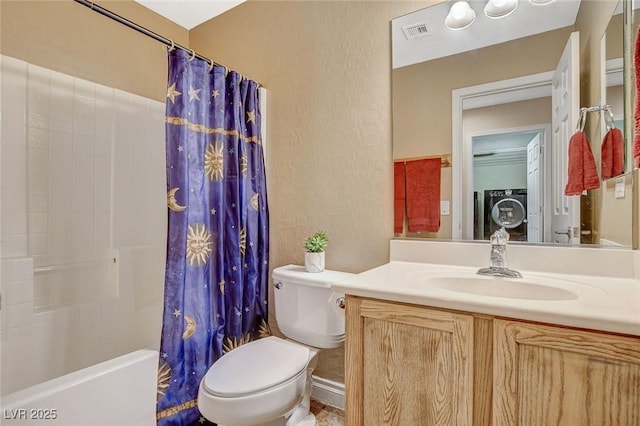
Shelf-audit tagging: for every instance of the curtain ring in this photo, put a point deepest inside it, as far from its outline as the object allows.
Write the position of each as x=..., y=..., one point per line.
x=172, y=47
x=211, y=65
x=193, y=54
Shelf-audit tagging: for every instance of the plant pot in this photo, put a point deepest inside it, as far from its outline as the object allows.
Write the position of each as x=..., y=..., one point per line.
x=314, y=262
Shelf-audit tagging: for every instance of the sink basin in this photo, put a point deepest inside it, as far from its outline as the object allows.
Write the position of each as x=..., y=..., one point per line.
x=501, y=287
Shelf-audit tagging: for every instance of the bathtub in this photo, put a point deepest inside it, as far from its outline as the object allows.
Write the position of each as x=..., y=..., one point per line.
x=117, y=392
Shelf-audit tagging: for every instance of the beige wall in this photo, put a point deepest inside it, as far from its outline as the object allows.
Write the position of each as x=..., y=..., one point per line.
x=507, y=116
x=327, y=68
x=65, y=36
x=616, y=212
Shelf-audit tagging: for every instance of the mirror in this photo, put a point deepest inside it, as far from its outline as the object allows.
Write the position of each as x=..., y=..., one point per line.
x=481, y=99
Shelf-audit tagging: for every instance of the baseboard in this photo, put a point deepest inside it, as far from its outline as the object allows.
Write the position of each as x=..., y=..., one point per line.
x=328, y=392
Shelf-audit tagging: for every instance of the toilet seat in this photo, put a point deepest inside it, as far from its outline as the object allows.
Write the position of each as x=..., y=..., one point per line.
x=256, y=367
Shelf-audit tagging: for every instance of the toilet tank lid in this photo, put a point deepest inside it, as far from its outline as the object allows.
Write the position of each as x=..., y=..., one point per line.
x=297, y=274
x=255, y=366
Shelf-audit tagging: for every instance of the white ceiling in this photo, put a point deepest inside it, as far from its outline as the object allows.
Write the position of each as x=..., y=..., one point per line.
x=189, y=13
x=526, y=20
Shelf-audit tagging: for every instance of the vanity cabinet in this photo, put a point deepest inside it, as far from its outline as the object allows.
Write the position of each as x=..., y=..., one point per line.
x=407, y=365
x=415, y=365
x=545, y=375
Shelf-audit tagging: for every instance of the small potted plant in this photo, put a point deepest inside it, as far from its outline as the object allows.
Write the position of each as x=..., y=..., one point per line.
x=314, y=257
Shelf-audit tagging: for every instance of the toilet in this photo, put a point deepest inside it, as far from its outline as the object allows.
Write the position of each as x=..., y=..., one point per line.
x=268, y=381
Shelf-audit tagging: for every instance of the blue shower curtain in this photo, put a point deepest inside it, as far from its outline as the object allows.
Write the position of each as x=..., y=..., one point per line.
x=218, y=232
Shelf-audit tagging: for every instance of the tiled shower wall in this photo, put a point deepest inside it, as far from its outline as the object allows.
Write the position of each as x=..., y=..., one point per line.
x=83, y=223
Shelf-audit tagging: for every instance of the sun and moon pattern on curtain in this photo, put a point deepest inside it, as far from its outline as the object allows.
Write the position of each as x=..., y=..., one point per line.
x=218, y=232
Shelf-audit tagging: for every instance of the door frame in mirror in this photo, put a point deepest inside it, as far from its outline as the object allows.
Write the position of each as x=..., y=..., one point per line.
x=543, y=129
x=499, y=92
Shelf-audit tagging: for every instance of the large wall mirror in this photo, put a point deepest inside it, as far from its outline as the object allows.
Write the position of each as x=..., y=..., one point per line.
x=498, y=102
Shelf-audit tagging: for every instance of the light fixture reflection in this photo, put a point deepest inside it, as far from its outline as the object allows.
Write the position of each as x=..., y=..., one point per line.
x=500, y=8
x=460, y=16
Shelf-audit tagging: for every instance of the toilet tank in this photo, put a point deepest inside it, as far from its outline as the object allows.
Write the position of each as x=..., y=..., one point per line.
x=304, y=311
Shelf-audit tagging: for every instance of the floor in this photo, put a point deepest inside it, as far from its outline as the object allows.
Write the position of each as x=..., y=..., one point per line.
x=327, y=415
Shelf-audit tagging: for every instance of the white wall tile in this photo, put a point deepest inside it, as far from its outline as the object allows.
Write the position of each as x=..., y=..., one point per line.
x=14, y=98
x=37, y=202
x=13, y=245
x=14, y=221
x=38, y=138
x=17, y=293
x=123, y=177
x=38, y=244
x=38, y=222
x=84, y=107
x=98, y=186
x=17, y=315
x=13, y=165
x=17, y=269
x=38, y=181
x=61, y=101
x=60, y=142
x=38, y=97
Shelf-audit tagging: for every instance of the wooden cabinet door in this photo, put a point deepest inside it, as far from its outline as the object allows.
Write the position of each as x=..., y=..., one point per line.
x=549, y=376
x=407, y=365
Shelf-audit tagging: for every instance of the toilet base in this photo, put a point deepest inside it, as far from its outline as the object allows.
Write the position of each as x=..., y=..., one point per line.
x=301, y=417
x=297, y=418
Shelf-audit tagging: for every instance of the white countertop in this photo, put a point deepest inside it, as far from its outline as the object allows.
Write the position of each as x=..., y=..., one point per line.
x=592, y=302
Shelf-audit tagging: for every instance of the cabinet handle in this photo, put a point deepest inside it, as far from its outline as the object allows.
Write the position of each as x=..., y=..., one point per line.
x=341, y=302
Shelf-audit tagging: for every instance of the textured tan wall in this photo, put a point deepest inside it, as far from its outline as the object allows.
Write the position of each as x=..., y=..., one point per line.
x=326, y=65
x=67, y=37
x=617, y=212
x=507, y=116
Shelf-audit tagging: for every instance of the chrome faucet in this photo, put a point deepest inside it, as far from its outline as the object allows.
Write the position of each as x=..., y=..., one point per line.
x=498, y=258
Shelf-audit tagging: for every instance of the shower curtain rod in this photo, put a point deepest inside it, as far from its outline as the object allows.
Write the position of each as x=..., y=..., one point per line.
x=164, y=40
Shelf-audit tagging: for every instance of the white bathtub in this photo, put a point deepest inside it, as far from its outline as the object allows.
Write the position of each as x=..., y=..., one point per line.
x=117, y=392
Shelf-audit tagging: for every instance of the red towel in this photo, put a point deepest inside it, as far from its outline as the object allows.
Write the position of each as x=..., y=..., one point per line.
x=423, y=195
x=612, y=154
x=582, y=172
x=636, y=115
x=398, y=197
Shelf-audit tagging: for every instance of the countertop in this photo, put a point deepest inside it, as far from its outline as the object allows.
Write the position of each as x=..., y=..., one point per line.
x=591, y=302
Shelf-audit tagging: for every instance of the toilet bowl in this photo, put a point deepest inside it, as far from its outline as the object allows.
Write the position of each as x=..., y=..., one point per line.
x=262, y=382
x=268, y=381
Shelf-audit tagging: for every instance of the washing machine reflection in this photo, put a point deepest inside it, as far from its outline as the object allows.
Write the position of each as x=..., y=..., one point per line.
x=506, y=208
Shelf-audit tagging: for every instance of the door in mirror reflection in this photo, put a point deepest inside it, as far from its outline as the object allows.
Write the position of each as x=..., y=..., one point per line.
x=505, y=187
x=529, y=160
x=565, y=216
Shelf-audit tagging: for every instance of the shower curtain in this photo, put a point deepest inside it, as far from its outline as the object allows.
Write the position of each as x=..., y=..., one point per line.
x=218, y=231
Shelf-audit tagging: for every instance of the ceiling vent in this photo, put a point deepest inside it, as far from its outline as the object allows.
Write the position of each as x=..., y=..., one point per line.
x=417, y=30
